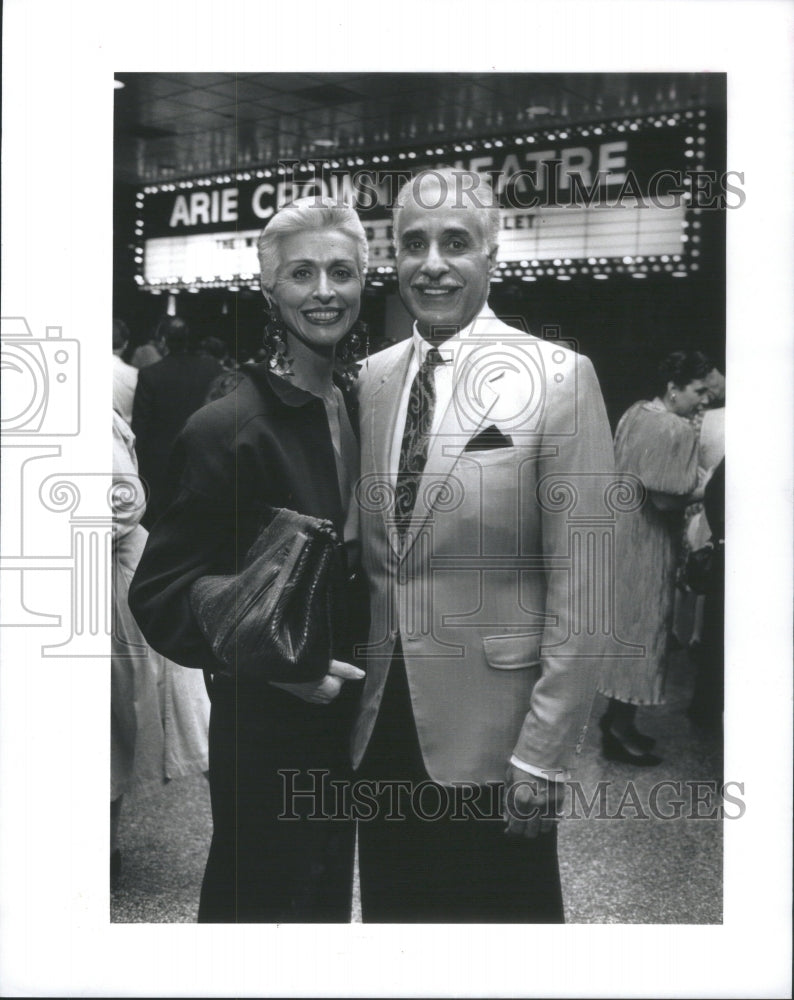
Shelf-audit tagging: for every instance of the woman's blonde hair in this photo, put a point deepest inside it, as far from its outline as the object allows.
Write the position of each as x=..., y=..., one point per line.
x=302, y=215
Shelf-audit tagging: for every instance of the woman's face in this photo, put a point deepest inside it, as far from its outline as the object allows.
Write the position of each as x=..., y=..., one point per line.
x=689, y=399
x=318, y=287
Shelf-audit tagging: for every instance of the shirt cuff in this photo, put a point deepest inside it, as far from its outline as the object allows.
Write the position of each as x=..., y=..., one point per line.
x=550, y=775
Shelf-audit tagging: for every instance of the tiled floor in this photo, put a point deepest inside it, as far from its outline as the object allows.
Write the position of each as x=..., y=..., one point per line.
x=625, y=869
x=655, y=870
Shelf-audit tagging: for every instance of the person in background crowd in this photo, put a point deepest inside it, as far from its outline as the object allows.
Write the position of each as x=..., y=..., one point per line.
x=706, y=707
x=232, y=373
x=704, y=647
x=168, y=393
x=656, y=442
x=457, y=435
x=159, y=719
x=125, y=377
x=712, y=426
x=284, y=437
x=709, y=425
x=214, y=347
x=149, y=353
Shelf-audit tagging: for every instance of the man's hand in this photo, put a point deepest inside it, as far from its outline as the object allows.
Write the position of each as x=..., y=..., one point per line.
x=324, y=691
x=531, y=803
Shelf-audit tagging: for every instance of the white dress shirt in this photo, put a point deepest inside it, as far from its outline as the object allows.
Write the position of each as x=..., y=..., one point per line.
x=452, y=351
x=711, y=449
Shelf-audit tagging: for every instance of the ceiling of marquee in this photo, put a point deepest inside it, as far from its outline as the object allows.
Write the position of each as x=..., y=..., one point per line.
x=177, y=125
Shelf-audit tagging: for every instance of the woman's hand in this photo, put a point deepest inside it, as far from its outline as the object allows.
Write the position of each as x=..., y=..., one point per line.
x=324, y=691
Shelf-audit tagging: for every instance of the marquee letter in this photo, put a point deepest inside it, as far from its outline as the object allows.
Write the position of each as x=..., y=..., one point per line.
x=199, y=208
x=262, y=211
x=609, y=160
x=229, y=205
x=180, y=212
x=576, y=160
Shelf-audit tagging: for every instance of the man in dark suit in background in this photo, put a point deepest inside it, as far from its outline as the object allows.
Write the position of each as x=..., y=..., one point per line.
x=167, y=393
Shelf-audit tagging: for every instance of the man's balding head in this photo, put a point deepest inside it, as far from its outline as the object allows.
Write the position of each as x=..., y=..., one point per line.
x=446, y=224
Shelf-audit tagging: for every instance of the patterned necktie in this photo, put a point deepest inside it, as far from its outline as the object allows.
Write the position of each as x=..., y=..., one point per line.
x=416, y=437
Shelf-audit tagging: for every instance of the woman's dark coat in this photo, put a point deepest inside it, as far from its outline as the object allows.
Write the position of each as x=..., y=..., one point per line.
x=266, y=444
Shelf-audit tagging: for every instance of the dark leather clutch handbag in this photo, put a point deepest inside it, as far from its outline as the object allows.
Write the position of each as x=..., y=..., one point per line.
x=273, y=620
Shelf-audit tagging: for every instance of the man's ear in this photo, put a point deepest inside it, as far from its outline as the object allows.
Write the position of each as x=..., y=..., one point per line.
x=492, y=260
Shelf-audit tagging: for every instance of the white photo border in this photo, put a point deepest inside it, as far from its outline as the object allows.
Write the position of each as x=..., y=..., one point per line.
x=58, y=65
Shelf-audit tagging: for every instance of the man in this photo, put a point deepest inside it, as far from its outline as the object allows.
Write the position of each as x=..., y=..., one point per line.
x=125, y=377
x=168, y=392
x=479, y=667
x=711, y=447
x=715, y=382
x=707, y=524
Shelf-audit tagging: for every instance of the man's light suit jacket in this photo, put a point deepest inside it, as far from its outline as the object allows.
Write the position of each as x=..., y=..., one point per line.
x=500, y=590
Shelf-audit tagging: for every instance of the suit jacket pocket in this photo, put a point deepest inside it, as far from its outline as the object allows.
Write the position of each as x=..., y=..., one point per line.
x=475, y=460
x=488, y=440
x=512, y=652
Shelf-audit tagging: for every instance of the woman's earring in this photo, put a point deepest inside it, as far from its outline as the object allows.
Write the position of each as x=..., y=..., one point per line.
x=349, y=350
x=275, y=345
x=672, y=395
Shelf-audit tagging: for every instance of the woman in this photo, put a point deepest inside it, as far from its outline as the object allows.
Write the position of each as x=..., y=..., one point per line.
x=159, y=712
x=655, y=442
x=284, y=437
